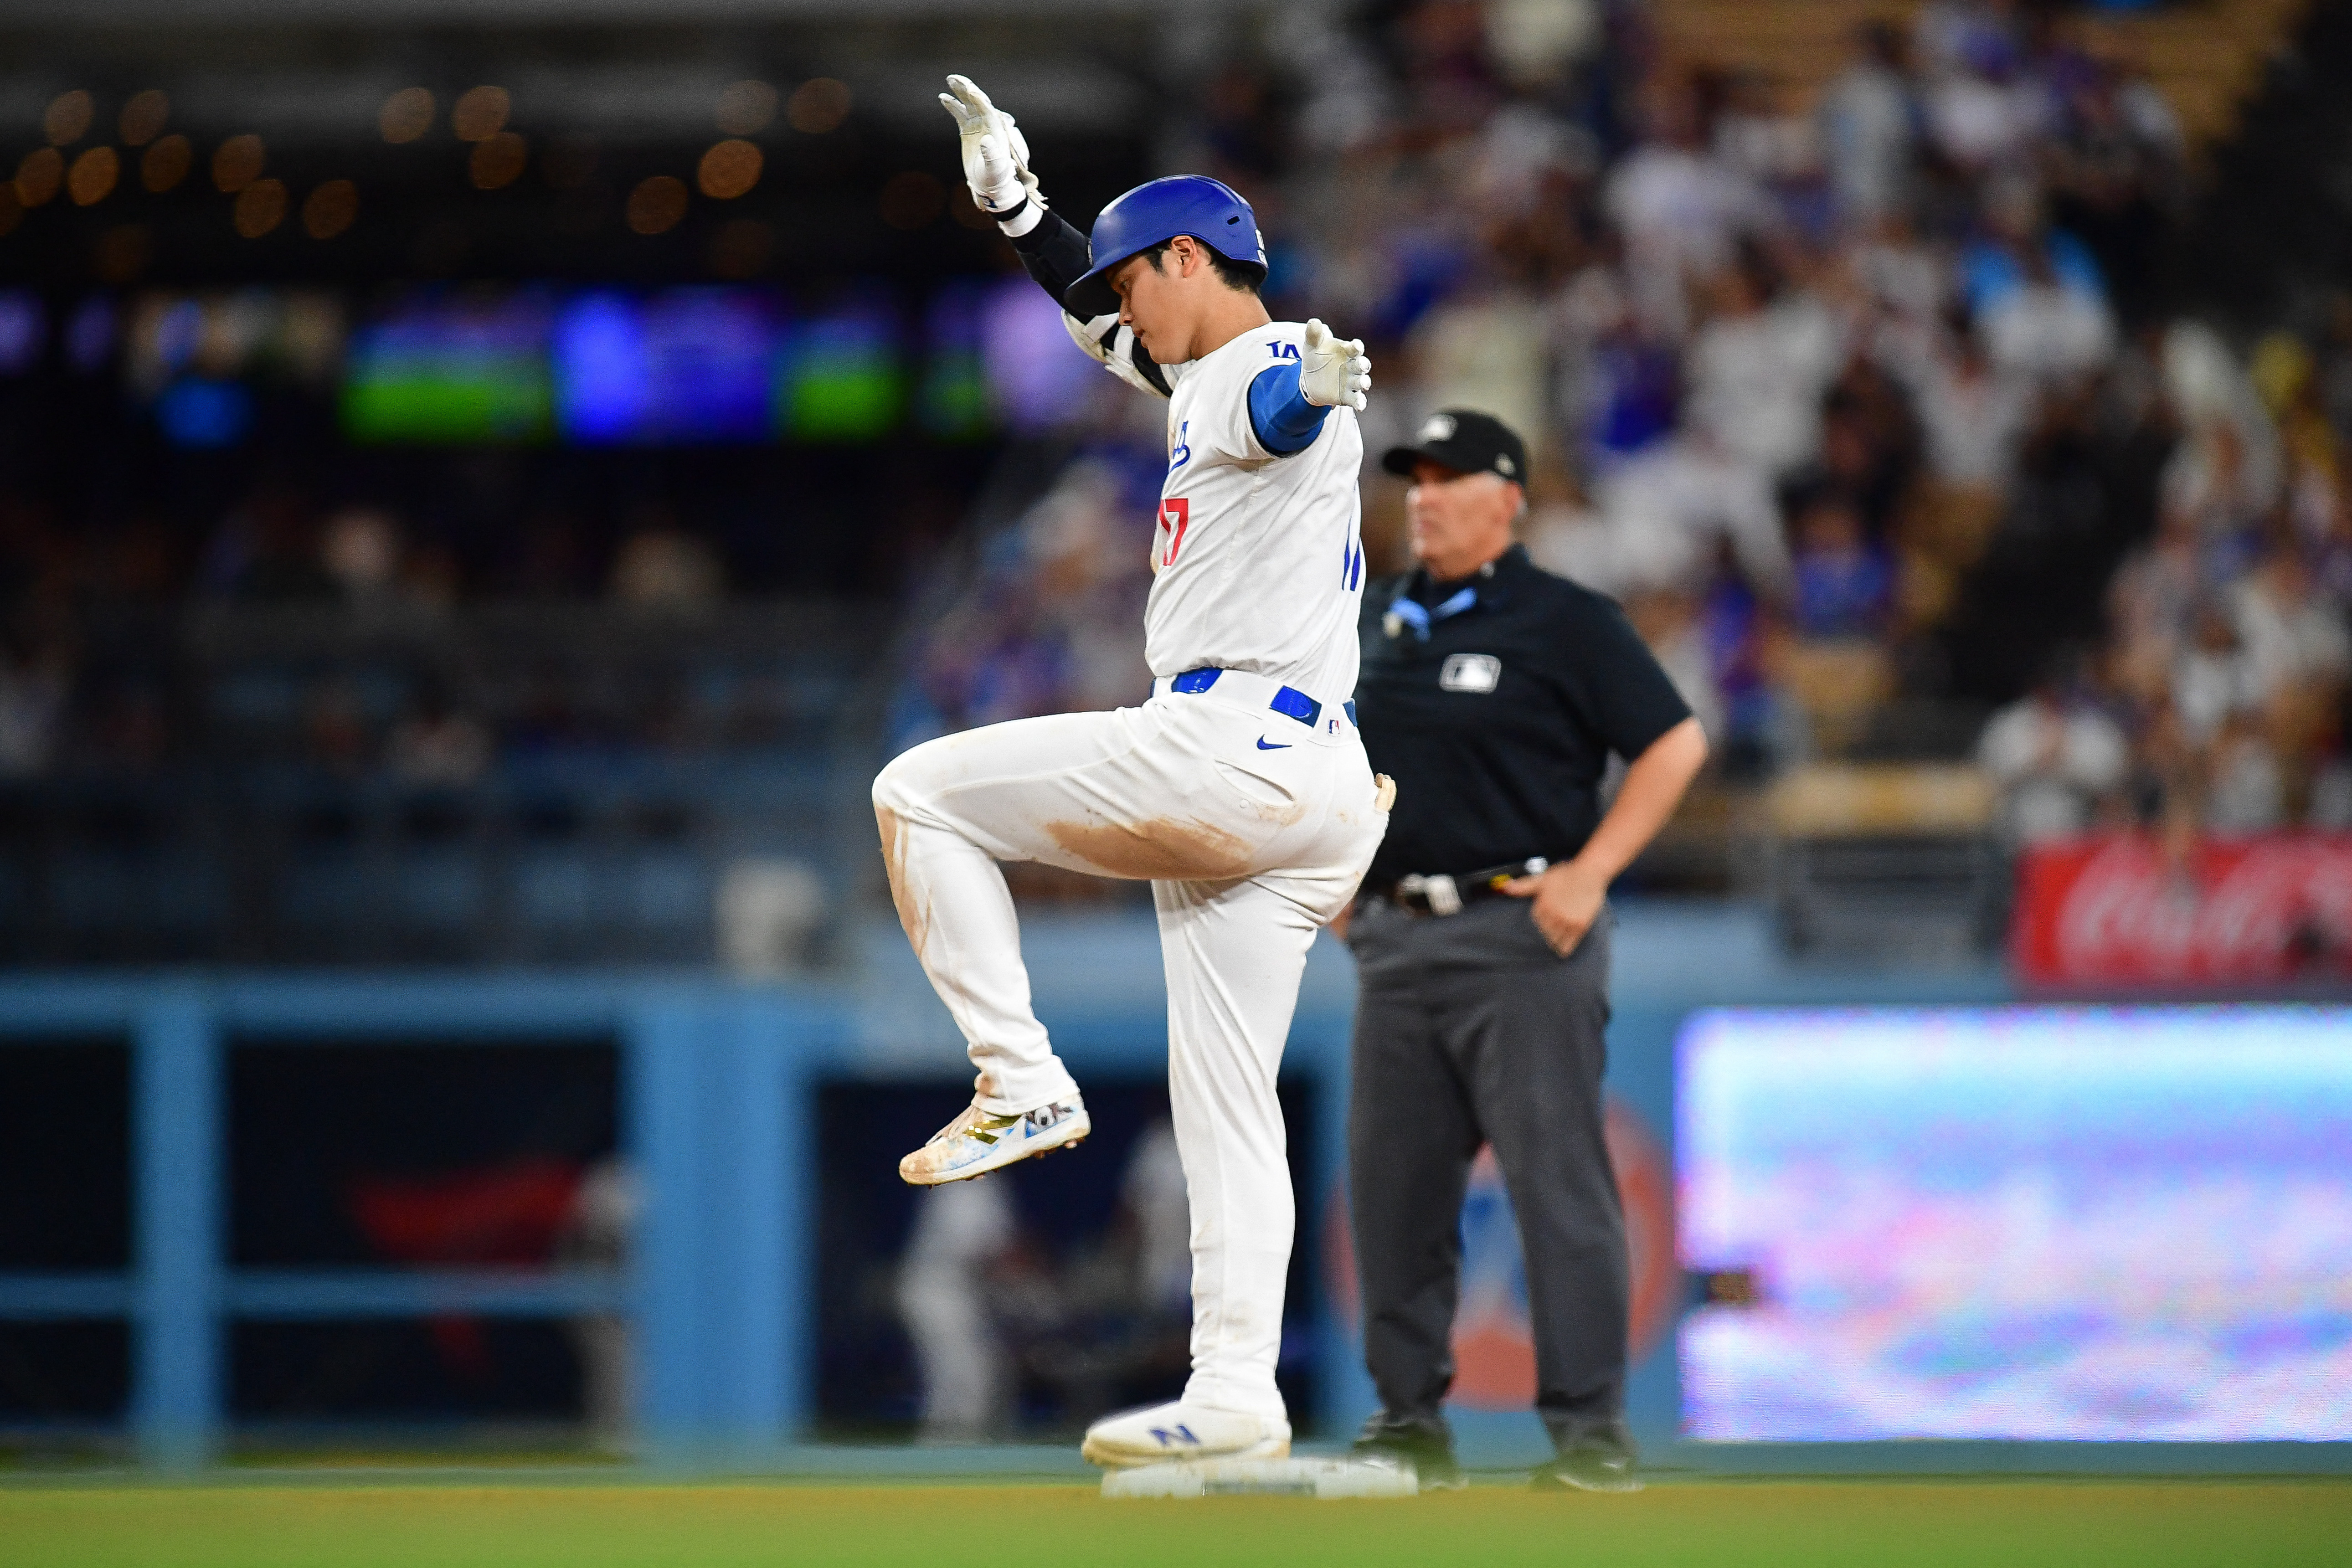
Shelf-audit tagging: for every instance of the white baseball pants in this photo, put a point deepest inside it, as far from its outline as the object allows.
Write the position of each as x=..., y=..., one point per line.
x=1253, y=830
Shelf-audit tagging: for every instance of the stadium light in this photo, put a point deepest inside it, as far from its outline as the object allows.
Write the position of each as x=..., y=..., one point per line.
x=480, y=113
x=39, y=176
x=498, y=161
x=238, y=163
x=746, y=108
x=67, y=118
x=657, y=204
x=407, y=115
x=144, y=117
x=261, y=207
x=330, y=209
x=166, y=164
x=729, y=170
x=91, y=179
x=819, y=105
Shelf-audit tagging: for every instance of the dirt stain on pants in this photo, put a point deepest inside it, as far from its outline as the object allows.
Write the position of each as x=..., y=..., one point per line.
x=1164, y=850
x=914, y=917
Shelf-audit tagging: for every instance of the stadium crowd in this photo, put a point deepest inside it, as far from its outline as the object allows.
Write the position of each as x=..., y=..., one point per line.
x=1871, y=410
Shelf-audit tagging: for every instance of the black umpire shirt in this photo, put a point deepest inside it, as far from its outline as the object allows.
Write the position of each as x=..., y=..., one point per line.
x=1498, y=724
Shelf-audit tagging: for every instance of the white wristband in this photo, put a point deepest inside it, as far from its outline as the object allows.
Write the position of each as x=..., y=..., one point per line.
x=1024, y=217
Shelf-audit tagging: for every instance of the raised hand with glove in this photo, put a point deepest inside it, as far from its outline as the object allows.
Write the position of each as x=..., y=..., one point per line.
x=995, y=158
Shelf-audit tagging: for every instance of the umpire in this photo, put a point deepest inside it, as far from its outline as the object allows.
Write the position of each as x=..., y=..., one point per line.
x=1494, y=693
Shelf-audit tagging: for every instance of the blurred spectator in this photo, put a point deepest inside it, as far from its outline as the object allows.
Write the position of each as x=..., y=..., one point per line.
x=1843, y=581
x=267, y=549
x=1984, y=114
x=1869, y=123
x=2244, y=791
x=2118, y=174
x=1757, y=370
x=1973, y=414
x=34, y=688
x=1152, y=1193
x=961, y=1232
x=335, y=724
x=436, y=746
x=1052, y=622
x=360, y=550
x=1680, y=208
x=662, y=568
x=1950, y=33
x=2213, y=681
x=1753, y=137
x=1669, y=510
x=2057, y=759
x=2046, y=327
x=1484, y=351
x=598, y=1234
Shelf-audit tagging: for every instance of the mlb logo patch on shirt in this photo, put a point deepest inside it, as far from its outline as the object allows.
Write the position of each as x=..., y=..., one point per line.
x=1470, y=672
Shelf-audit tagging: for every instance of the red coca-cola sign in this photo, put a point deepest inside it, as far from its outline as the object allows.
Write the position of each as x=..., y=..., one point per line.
x=2126, y=909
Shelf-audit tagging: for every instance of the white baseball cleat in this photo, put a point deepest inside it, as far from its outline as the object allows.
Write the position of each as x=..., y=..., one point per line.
x=978, y=1142
x=1159, y=1434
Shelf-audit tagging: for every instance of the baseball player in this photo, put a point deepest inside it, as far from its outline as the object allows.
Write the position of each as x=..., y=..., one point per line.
x=1239, y=790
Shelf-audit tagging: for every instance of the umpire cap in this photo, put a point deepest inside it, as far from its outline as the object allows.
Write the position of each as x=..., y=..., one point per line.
x=1158, y=210
x=1467, y=441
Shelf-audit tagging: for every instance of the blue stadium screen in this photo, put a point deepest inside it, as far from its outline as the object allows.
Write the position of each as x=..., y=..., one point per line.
x=451, y=368
x=683, y=365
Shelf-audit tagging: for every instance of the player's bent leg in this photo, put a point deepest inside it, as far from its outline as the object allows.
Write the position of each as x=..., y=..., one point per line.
x=948, y=812
x=1165, y=1434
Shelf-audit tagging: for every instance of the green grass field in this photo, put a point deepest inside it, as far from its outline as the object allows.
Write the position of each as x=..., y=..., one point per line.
x=2010, y=1523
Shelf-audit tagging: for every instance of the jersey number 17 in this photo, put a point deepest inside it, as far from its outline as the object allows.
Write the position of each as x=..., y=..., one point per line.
x=1175, y=515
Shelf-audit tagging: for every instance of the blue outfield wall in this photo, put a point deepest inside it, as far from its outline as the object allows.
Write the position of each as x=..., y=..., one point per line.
x=718, y=1088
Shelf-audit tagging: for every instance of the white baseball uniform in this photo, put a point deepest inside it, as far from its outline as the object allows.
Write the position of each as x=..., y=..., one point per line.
x=1244, y=796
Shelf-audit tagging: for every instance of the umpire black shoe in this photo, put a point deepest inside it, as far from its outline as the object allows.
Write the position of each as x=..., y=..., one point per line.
x=1427, y=1452
x=1589, y=1468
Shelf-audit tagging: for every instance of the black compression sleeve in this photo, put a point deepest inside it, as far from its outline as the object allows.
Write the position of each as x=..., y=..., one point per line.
x=1053, y=253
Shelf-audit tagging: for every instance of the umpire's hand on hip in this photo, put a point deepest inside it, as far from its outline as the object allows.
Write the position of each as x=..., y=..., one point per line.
x=1567, y=897
x=1566, y=900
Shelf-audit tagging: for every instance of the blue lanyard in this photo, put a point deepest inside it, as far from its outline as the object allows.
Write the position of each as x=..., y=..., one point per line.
x=1411, y=612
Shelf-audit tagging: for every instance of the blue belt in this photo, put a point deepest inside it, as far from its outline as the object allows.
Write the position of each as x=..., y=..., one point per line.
x=1290, y=702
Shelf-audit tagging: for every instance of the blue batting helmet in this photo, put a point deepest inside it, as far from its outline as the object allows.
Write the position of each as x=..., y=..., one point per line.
x=1209, y=210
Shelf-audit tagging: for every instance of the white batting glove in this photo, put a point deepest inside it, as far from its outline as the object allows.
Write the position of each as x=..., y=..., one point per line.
x=1333, y=372
x=995, y=153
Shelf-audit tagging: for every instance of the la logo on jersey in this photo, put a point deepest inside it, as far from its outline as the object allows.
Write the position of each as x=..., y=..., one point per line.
x=1175, y=516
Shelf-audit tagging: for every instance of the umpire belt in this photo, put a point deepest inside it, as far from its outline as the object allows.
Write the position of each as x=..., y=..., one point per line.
x=1446, y=893
x=1259, y=692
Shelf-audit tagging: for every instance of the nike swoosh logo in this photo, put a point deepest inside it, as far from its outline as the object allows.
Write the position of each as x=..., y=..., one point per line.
x=1265, y=745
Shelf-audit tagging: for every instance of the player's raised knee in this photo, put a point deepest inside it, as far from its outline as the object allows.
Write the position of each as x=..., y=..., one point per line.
x=894, y=785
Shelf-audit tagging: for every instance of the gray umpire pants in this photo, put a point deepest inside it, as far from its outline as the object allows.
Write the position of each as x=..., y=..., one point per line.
x=1470, y=1030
